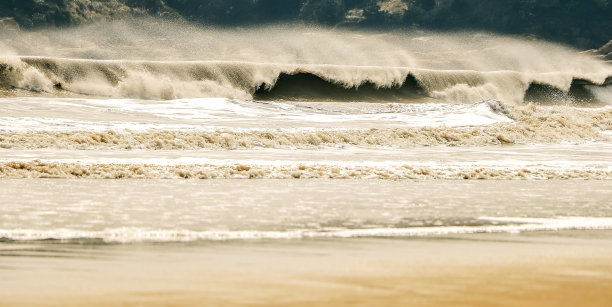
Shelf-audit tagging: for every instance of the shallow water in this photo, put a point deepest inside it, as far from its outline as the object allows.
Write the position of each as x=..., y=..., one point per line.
x=170, y=210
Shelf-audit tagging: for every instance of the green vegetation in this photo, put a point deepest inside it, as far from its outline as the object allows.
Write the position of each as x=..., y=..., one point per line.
x=32, y=13
x=582, y=23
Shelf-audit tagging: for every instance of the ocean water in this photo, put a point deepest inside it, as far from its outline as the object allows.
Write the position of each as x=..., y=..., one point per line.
x=133, y=133
x=131, y=211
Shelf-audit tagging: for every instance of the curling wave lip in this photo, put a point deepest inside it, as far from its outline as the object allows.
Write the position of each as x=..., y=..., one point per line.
x=271, y=81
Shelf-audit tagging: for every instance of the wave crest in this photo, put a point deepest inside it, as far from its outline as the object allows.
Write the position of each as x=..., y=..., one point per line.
x=156, y=60
x=245, y=80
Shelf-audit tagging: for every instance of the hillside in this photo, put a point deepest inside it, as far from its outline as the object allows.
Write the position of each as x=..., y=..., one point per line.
x=581, y=23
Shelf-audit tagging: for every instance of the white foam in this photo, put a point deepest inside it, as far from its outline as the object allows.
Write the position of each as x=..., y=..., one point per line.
x=126, y=235
x=220, y=113
x=26, y=124
x=593, y=156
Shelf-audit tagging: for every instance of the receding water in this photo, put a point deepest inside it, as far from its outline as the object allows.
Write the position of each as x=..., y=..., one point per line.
x=170, y=210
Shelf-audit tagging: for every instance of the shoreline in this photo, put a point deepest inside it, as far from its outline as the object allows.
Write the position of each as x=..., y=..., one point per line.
x=532, y=268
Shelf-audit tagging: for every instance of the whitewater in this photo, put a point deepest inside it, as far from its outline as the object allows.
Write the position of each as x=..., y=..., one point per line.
x=159, y=106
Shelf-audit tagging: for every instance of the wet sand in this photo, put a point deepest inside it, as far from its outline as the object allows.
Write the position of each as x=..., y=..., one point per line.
x=530, y=269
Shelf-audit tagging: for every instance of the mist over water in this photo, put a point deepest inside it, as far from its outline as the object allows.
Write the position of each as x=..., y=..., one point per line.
x=157, y=60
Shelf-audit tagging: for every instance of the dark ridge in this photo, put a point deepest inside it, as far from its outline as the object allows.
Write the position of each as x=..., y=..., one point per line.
x=581, y=94
x=5, y=69
x=581, y=23
x=310, y=87
x=577, y=94
x=546, y=94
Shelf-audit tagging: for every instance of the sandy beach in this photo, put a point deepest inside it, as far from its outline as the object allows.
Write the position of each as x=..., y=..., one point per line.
x=537, y=269
x=544, y=261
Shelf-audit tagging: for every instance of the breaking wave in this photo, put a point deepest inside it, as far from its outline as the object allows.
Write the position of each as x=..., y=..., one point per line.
x=529, y=124
x=267, y=81
x=149, y=60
